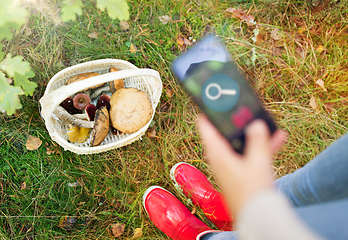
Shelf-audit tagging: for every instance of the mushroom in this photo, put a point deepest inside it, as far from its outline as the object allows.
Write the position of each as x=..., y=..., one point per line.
x=116, y=84
x=130, y=110
x=90, y=110
x=103, y=100
x=98, y=91
x=83, y=76
x=101, y=126
x=114, y=131
x=78, y=134
x=81, y=100
x=63, y=115
x=68, y=105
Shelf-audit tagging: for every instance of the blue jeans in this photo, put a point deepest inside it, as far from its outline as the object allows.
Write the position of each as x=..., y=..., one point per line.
x=319, y=193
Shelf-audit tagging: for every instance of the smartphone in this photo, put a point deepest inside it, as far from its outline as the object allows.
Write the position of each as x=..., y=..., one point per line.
x=210, y=76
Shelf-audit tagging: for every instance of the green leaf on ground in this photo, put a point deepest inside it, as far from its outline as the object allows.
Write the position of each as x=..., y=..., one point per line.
x=11, y=65
x=21, y=80
x=12, y=15
x=117, y=9
x=70, y=9
x=9, y=100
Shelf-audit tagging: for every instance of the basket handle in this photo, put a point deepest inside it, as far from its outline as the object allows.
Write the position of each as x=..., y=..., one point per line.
x=52, y=99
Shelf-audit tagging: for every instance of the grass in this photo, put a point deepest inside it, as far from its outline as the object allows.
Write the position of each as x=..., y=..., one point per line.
x=111, y=184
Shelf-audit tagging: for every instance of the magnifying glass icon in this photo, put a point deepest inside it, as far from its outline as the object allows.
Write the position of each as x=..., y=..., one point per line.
x=220, y=91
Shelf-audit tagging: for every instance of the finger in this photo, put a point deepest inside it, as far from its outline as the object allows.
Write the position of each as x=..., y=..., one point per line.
x=213, y=141
x=258, y=145
x=277, y=140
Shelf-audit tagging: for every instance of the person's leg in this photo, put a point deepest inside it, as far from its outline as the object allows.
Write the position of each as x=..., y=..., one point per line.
x=232, y=235
x=328, y=220
x=323, y=179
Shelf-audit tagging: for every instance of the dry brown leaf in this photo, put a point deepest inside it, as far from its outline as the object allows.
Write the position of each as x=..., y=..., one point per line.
x=50, y=151
x=138, y=232
x=320, y=48
x=313, y=103
x=300, y=52
x=117, y=229
x=23, y=186
x=344, y=99
x=33, y=143
x=301, y=30
x=94, y=34
x=164, y=19
x=183, y=43
x=169, y=92
x=151, y=132
x=276, y=34
x=124, y=25
x=240, y=14
x=329, y=107
x=276, y=51
x=259, y=39
x=321, y=84
x=193, y=210
x=133, y=48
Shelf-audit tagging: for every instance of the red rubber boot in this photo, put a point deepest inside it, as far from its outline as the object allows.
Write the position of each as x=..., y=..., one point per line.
x=196, y=186
x=171, y=216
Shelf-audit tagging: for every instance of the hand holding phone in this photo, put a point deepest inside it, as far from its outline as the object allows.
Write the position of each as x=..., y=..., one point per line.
x=207, y=72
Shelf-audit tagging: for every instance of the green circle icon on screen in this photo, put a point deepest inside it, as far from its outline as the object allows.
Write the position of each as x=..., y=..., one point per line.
x=220, y=93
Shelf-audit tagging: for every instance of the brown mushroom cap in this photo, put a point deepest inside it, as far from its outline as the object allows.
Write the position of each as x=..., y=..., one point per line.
x=130, y=110
x=83, y=76
x=115, y=84
x=101, y=126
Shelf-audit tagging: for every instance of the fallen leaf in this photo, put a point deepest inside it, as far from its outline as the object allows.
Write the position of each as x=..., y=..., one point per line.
x=321, y=84
x=320, y=48
x=240, y=14
x=23, y=186
x=183, y=43
x=344, y=99
x=169, y=92
x=133, y=48
x=94, y=34
x=276, y=34
x=313, y=103
x=117, y=229
x=138, y=232
x=151, y=132
x=164, y=19
x=300, y=52
x=329, y=107
x=193, y=211
x=33, y=143
x=259, y=39
x=276, y=51
x=50, y=151
x=301, y=30
x=124, y=25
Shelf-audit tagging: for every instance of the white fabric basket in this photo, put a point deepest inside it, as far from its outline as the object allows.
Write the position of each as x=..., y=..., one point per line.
x=147, y=80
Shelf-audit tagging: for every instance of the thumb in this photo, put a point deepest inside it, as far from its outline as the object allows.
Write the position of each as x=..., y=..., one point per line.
x=258, y=142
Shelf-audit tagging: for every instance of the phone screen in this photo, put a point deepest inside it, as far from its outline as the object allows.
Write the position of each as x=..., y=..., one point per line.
x=213, y=80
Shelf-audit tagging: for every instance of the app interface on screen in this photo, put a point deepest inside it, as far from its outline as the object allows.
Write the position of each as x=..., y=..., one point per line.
x=221, y=92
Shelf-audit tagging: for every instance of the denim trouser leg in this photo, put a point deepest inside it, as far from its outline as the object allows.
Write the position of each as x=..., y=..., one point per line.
x=319, y=193
x=323, y=179
x=329, y=220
